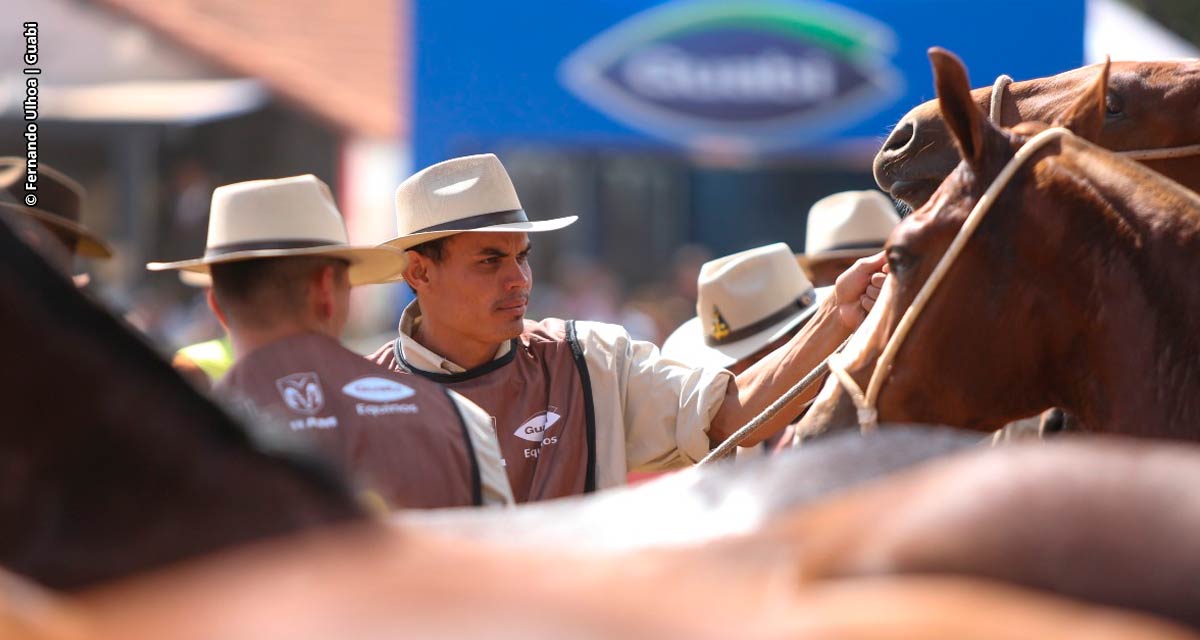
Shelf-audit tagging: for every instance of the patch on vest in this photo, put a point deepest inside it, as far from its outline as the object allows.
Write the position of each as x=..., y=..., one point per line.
x=375, y=389
x=534, y=428
x=302, y=392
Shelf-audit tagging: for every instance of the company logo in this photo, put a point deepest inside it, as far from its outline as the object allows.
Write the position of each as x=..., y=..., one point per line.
x=767, y=73
x=301, y=392
x=374, y=389
x=535, y=427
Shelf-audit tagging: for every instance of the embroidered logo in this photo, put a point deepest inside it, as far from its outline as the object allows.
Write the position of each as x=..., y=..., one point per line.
x=301, y=392
x=720, y=328
x=534, y=428
x=375, y=389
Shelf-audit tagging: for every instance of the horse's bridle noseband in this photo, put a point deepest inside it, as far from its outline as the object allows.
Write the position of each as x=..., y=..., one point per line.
x=1161, y=153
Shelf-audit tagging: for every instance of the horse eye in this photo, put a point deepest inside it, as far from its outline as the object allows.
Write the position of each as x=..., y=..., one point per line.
x=1113, y=105
x=900, y=260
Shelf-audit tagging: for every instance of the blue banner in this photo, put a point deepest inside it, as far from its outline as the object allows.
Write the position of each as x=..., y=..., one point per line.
x=766, y=77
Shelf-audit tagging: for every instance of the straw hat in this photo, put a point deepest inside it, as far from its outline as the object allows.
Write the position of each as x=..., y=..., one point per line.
x=745, y=302
x=849, y=224
x=471, y=193
x=283, y=218
x=59, y=203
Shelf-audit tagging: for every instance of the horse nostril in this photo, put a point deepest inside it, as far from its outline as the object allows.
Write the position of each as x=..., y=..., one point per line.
x=900, y=137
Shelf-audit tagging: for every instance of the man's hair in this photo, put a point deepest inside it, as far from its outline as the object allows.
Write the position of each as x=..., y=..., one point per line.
x=434, y=249
x=261, y=292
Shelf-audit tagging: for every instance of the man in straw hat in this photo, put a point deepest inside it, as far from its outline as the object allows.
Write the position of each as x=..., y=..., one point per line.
x=576, y=405
x=764, y=299
x=842, y=228
x=281, y=268
x=57, y=205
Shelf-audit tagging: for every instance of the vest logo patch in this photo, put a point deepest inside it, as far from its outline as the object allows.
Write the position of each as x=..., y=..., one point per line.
x=535, y=427
x=301, y=392
x=376, y=389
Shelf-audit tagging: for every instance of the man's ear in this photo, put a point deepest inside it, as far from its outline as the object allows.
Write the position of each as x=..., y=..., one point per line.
x=416, y=274
x=321, y=291
x=216, y=308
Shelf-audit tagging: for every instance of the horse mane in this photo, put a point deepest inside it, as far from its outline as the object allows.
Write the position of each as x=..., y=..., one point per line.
x=1152, y=224
x=121, y=465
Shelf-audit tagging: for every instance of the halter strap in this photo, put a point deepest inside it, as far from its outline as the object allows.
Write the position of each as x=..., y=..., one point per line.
x=867, y=403
x=1160, y=153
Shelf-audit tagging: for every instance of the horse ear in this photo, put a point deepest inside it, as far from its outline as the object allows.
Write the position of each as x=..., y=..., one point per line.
x=972, y=132
x=1085, y=117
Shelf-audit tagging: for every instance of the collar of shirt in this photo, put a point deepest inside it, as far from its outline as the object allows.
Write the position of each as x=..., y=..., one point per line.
x=416, y=355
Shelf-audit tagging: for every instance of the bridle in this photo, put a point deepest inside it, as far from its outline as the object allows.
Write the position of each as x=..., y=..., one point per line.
x=1162, y=153
x=866, y=402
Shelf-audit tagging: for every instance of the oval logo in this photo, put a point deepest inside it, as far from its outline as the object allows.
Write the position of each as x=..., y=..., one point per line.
x=373, y=389
x=766, y=73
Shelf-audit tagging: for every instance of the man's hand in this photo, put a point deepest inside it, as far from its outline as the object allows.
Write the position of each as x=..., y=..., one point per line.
x=858, y=287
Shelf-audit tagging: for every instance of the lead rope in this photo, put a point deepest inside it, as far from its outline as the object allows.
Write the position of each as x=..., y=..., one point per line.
x=1164, y=153
x=730, y=444
x=865, y=403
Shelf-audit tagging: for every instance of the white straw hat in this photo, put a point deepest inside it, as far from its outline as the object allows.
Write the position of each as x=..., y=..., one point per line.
x=283, y=218
x=848, y=224
x=745, y=302
x=471, y=193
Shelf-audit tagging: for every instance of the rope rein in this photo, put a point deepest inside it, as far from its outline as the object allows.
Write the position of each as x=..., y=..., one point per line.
x=868, y=416
x=1162, y=153
x=731, y=443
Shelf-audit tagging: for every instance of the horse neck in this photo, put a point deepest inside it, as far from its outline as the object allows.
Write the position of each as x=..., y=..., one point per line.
x=1184, y=170
x=1140, y=238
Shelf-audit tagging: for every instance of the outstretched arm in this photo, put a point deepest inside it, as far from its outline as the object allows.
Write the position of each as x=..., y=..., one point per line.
x=767, y=380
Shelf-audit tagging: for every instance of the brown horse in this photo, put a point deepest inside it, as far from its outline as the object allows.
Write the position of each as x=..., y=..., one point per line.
x=1076, y=290
x=110, y=462
x=1149, y=106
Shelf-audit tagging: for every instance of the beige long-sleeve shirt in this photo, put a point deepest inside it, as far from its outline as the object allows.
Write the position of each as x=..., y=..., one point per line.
x=652, y=413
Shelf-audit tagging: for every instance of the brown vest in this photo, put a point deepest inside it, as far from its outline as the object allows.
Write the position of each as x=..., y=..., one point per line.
x=540, y=399
x=399, y=435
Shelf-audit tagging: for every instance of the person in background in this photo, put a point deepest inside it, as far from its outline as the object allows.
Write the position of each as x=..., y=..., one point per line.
x=57, y=207
x=843, y=228
x=282, y=269
x=766, y=298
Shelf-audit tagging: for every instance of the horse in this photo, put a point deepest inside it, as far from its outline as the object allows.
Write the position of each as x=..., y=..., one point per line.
x=1071, y=539
x=1074, y=291
x=110, y=463
x=1150, y=109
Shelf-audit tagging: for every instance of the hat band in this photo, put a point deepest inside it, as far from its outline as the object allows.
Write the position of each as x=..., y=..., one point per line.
x=798, y=304
x=475, y=222
x=846, y=246
x=260, y=245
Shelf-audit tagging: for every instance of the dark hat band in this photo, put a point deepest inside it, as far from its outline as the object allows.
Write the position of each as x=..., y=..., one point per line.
x=263, y=245
x=475, y=222
x=799, y=304
x=846, y=246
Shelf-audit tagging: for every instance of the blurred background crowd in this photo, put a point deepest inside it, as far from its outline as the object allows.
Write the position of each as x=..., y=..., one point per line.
x=673, y=145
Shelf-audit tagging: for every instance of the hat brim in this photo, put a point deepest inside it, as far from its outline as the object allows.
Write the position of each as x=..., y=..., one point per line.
x=404, y=243
x=841, y=254
x=368, y=265
x=686, y=344
x=88, y=244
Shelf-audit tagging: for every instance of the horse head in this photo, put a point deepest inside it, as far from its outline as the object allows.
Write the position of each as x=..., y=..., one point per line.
x=1056, y=299
x=1148, y=106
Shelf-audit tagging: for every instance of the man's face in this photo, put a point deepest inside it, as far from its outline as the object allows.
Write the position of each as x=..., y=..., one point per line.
x=480, y=289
